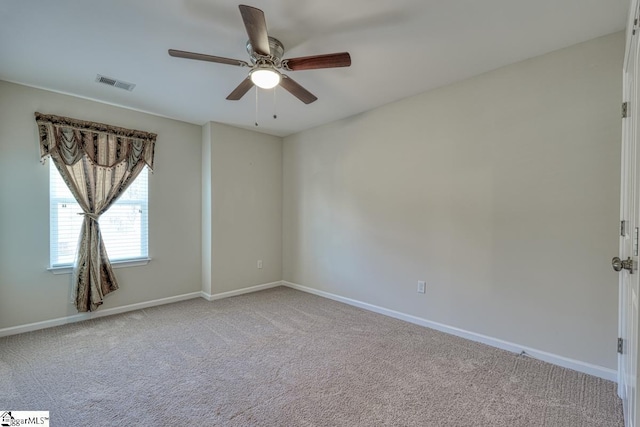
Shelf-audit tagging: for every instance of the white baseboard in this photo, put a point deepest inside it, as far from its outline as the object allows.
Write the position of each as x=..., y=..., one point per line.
x=95, y=314
x=576, y=365
x=256, y=288
x=13, y=330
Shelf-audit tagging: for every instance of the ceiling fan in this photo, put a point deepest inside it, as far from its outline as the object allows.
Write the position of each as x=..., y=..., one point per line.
x=266, y=60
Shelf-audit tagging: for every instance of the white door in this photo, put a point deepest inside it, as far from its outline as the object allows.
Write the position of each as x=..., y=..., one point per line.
x=627, y=262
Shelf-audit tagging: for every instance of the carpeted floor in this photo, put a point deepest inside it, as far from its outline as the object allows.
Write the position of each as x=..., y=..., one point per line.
x=285, y=358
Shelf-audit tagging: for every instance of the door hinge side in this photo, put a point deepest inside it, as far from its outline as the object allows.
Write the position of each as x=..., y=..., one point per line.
x=620, y=344
x=623, y=228
x=625, y=110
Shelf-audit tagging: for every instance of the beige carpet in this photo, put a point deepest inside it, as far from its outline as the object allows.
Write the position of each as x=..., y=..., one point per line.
x=285, y=358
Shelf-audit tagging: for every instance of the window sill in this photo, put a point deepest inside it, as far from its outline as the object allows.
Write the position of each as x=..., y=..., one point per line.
x=68, y=269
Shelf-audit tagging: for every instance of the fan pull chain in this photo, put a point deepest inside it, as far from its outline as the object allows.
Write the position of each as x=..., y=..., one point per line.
x=275, y=113
x=257, y=105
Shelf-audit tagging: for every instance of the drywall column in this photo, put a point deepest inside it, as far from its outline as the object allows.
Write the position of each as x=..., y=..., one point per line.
x=242, y=208
x=206, y=209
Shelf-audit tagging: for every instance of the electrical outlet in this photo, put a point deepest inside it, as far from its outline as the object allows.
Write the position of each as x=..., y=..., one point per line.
x=259, y=263
x=422, y=286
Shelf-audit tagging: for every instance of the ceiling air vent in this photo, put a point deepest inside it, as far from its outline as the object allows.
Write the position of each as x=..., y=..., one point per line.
x=115, y=82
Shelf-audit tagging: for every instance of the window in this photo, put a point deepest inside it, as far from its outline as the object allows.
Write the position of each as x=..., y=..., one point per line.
x=124, y=226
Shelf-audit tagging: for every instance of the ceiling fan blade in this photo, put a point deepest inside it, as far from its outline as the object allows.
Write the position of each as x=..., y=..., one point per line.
x=256, y=27
x=296, y=90
x=331, y=60
x=242, y=88
x=210, y=58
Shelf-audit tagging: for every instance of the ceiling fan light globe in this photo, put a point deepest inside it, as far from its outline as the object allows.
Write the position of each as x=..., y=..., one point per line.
x=265, y=78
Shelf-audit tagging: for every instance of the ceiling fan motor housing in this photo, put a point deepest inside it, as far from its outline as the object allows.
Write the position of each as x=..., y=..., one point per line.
x=276, y=49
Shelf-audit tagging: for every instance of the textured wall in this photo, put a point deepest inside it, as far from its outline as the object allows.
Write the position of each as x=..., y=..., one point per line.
x=28, y=292
x=500, y=191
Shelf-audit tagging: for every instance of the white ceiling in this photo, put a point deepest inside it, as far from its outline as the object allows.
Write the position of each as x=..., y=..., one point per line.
x=398, y=48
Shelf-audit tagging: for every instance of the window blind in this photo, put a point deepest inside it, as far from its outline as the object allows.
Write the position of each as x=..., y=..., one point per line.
x=124, y=226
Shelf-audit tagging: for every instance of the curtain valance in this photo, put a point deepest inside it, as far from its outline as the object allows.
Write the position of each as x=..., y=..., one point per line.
x=104, y=145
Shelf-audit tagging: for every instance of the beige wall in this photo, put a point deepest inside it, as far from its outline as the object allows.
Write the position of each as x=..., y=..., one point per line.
x=244, y=204
x=28, y=292
x=500, y=191
x=215, y=209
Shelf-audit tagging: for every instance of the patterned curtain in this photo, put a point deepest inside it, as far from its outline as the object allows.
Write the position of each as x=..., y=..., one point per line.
x=97, y=162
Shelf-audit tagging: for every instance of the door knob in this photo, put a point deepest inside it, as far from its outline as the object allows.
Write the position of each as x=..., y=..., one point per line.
x=619, y=264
